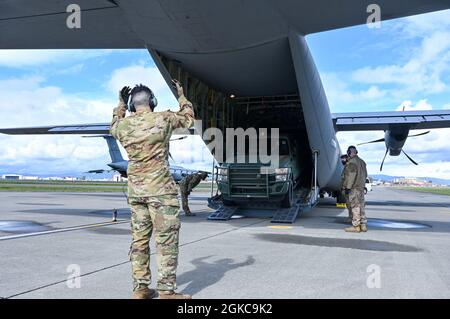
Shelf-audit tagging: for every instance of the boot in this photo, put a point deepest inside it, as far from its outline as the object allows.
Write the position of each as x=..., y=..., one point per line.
x=144, y=293
x=189, y=214
x=363, y=228
x=170, y=294
x=353, y=229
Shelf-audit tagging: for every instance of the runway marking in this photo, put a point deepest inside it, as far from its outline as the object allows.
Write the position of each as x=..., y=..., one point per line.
x=62, y=230
x=280, y=227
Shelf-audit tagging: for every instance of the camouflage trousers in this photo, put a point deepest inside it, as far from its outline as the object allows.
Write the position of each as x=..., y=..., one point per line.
x=161, y=214
x=184, y=193
x=357, y=205
x=349, y=206
x=347, y=203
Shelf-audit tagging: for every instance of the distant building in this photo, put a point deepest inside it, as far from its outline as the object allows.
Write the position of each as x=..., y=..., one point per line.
x=12, y=177
x=118, y=178
x=412, y=181
x=30, y=178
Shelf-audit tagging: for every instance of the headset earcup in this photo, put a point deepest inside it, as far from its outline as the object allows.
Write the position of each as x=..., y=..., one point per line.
x=131, y=107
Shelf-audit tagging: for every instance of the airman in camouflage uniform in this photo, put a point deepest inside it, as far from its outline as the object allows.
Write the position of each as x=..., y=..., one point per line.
x=152, y=192
x=187, y=184
x=354, y=182
x=344, y=160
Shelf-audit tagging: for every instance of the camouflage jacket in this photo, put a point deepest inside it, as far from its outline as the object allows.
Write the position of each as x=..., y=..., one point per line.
x=355, y=174
x=190, y=181
x=145, y=136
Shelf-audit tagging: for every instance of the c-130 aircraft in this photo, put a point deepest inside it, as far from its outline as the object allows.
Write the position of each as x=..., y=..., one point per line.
x=120, y=165
x=242, y=64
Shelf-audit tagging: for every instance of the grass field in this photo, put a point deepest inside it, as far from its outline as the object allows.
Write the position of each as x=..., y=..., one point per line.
x=39, y=182
x=433, y=190
x=60, y=188
x=68, y=186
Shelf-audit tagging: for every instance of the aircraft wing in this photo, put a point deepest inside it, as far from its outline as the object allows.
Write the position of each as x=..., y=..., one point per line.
x=37, y=24
x=379, y=121
x=185, y=26
x=99, y=128
x=94, y=128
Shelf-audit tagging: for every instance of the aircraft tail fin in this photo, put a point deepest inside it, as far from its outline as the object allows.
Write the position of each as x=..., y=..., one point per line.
x=113, y=147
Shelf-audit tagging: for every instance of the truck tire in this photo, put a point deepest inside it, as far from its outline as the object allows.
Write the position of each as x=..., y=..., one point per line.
x=227, y=202
x=288, y=200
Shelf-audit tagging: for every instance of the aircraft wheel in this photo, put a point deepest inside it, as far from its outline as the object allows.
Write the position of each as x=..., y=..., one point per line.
x=340, y=199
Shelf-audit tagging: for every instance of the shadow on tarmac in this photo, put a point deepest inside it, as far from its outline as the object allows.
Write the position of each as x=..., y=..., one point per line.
x=360, y=244
x=207, y=274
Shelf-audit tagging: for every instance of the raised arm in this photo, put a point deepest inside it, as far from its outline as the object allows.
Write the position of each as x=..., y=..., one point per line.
x=184, y=118
x=120, y=110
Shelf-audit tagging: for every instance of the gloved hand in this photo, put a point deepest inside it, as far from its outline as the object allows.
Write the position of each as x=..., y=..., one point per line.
x=347, y=191
x=120, y=111
x=124, y=94
x=178, y=87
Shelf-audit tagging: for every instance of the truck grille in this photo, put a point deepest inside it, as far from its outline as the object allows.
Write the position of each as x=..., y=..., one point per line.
x=248, y=181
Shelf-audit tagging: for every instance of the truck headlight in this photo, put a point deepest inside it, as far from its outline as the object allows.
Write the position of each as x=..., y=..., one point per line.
x=222, y=175
x=281, y=174
x=281, y=171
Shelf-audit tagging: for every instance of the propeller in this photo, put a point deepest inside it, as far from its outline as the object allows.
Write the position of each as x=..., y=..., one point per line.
x=425, y=133
x=384, y=158
x=383, y=139
x=376, y=141
x=409, y=157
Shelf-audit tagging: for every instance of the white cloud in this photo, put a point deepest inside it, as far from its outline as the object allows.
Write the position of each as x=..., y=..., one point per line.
x=424, y=24
x=136, y=74
x=340, y=94
x=422, y=73
x=30, y=102
x=75, y=69
x=149, y=76
x=422, y=105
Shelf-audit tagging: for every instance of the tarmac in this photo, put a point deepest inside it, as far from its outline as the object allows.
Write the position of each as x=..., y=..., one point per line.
x=64, y=245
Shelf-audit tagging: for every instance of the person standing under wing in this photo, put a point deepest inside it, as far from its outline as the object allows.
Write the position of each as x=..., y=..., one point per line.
x=152, y=192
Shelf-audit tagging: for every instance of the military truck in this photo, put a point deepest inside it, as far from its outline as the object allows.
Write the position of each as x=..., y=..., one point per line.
x=247, y=184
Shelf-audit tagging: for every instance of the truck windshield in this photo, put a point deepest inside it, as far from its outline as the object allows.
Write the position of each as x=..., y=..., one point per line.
x=283, y=147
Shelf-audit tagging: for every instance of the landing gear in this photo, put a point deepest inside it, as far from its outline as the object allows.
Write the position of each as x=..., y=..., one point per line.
x=340, y=198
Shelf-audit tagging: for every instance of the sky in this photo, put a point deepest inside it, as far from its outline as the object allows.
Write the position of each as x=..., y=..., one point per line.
x=403, y=64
